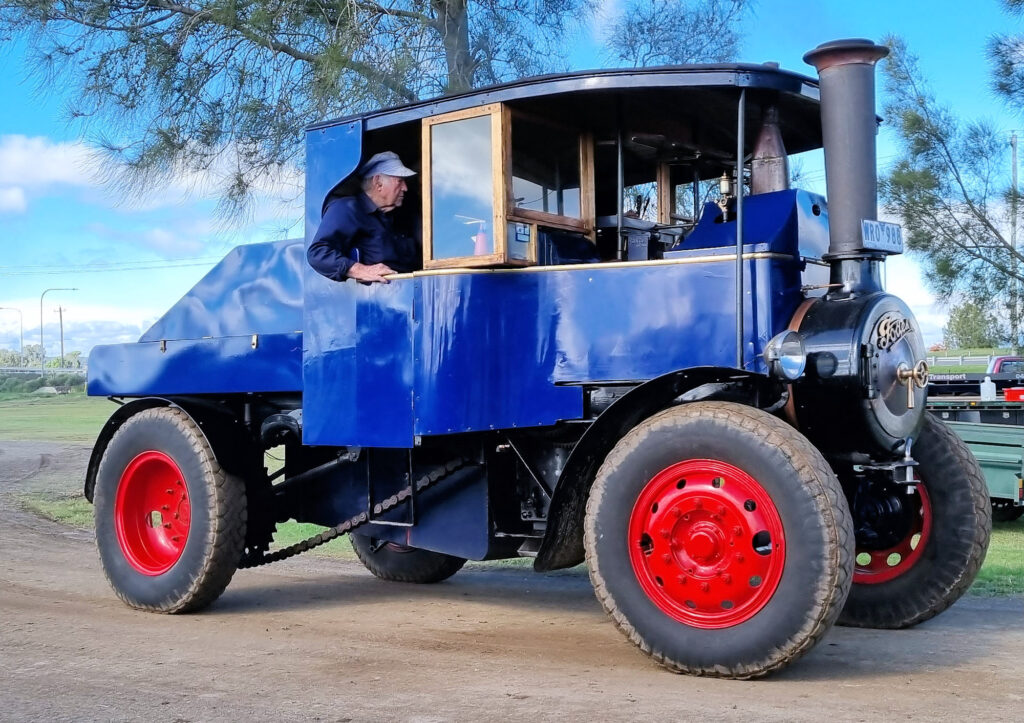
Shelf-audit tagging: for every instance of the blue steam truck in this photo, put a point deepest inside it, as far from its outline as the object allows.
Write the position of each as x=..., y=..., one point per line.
x=630, y=344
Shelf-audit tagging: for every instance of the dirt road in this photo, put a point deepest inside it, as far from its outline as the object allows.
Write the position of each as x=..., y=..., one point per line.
x=318, y=639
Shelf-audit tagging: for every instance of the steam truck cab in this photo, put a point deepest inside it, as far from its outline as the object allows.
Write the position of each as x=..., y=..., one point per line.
x=631, y=344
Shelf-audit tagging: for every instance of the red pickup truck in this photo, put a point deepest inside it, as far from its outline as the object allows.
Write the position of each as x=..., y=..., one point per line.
x=1006, y=365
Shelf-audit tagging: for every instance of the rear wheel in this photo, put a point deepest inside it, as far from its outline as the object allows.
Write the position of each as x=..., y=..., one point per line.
x=719, y=540
x=398, y=563
x=920, y=548
x=170, y=523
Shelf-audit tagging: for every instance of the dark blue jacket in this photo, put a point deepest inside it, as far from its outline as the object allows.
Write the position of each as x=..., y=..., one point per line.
x=354, y=222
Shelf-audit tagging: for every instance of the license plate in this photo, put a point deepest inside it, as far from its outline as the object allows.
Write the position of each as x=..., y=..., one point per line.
x=882, y=236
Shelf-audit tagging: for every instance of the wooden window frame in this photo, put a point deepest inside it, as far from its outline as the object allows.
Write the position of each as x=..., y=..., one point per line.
x=503, y=202
x=498, y=163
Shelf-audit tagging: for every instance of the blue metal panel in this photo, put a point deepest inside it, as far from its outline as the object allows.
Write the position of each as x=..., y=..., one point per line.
x=496, y=349
x=255, y=289
x=357, y=362
x=332, y=154
x=788, y=222
x=225, y=365
x=204, y=343
x=487, y=351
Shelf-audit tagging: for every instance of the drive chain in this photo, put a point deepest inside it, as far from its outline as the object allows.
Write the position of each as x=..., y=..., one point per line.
x=426, y=480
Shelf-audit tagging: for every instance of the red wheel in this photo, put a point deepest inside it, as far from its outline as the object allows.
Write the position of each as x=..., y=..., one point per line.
x=170, y=522
x=706, y=543
x=719, y=540
x=919, y=548
x=878, y=566
x=152, y=513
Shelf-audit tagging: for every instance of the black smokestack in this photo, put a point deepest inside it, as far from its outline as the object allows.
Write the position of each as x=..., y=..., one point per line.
x=846, y=69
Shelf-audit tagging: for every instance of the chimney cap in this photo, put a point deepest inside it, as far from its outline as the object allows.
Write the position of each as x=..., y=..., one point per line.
x=843, y=52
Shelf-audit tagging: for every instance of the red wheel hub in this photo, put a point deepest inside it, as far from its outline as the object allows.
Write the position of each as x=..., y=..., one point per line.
x=706, y=543
x=152, y=513
x=877, y=566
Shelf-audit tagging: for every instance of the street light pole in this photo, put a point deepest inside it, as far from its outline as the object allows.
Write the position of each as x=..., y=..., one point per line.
x=42, y=348
x=21, y=322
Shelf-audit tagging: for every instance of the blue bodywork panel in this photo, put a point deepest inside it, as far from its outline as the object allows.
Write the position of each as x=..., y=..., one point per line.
x=204, y=344
x=789, y=222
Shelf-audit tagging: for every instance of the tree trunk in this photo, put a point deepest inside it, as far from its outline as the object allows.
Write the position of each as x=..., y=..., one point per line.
x=453, y=24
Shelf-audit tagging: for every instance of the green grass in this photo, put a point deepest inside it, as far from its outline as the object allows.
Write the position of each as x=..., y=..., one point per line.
x=64, y=418
x=965, y=369
x=1003, y=571
x=73, y=511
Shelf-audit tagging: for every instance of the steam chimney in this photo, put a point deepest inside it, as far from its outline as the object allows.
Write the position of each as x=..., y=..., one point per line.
x=846, y=69
x=769, y=166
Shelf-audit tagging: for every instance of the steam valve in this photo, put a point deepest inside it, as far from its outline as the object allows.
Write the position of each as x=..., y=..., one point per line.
x=918, y=376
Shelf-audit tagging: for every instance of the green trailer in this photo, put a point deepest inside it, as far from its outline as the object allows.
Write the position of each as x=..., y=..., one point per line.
x=994, y=430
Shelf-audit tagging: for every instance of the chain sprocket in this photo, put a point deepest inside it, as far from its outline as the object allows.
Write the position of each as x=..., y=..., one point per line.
x=428, y=479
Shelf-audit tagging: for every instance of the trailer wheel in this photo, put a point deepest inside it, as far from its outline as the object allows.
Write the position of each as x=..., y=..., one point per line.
x=398, y=563
x=719, y=540
x=170, y=523
x=943, y=526
x=1005, y=511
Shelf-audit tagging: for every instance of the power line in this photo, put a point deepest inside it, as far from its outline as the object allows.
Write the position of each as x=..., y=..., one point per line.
x=35, y=271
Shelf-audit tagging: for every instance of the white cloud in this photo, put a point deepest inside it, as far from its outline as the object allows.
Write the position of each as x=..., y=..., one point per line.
x=12, y=200
x=37, y=162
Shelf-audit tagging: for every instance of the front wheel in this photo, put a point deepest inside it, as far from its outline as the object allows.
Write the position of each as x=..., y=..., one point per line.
x=719, y=540
x=170, y=522
x=919, y=548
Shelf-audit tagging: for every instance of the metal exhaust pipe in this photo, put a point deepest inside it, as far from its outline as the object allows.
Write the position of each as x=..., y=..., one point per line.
x=846, y=69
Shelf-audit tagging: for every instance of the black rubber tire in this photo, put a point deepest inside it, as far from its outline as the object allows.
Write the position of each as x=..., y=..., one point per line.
x=398, y=563
x=1004, y=511
x=955, y=550
x=216, y=535
x=816, y=521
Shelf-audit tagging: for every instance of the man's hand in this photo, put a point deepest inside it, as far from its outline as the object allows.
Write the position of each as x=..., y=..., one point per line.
x=370, y=274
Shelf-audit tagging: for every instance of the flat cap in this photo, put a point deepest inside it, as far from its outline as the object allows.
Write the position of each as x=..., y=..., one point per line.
x=387, y=163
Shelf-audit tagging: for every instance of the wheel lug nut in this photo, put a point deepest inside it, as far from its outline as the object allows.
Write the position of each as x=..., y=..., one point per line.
x=737, y=530
x=676, y=512
x=699, y=504
x=682, y=579
x=170, y=492
x=167, y=525
x=667, y=559
x=739, y=557
x=665, y=534
x=721, y=509
x=727, y=579
x=165, y=508
x=705, y=587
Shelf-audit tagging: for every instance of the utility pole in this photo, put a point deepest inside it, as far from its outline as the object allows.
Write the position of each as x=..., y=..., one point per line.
x=60, y=312
x=42, y=348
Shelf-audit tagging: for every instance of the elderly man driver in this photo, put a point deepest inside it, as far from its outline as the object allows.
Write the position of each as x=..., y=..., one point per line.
x=357, y=238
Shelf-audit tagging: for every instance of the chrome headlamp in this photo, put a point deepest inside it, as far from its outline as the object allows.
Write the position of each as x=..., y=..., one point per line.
x=786, y=356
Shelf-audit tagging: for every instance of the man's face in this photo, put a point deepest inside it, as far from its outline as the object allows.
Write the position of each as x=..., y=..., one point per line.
x=390, y=191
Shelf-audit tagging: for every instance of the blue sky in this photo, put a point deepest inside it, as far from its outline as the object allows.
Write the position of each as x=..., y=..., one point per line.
x=130, y=260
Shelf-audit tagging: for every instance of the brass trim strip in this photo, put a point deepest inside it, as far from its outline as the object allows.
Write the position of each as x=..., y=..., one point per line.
x=599, y=265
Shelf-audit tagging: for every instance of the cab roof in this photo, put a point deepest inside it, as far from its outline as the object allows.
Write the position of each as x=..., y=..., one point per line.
x=701, y=96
